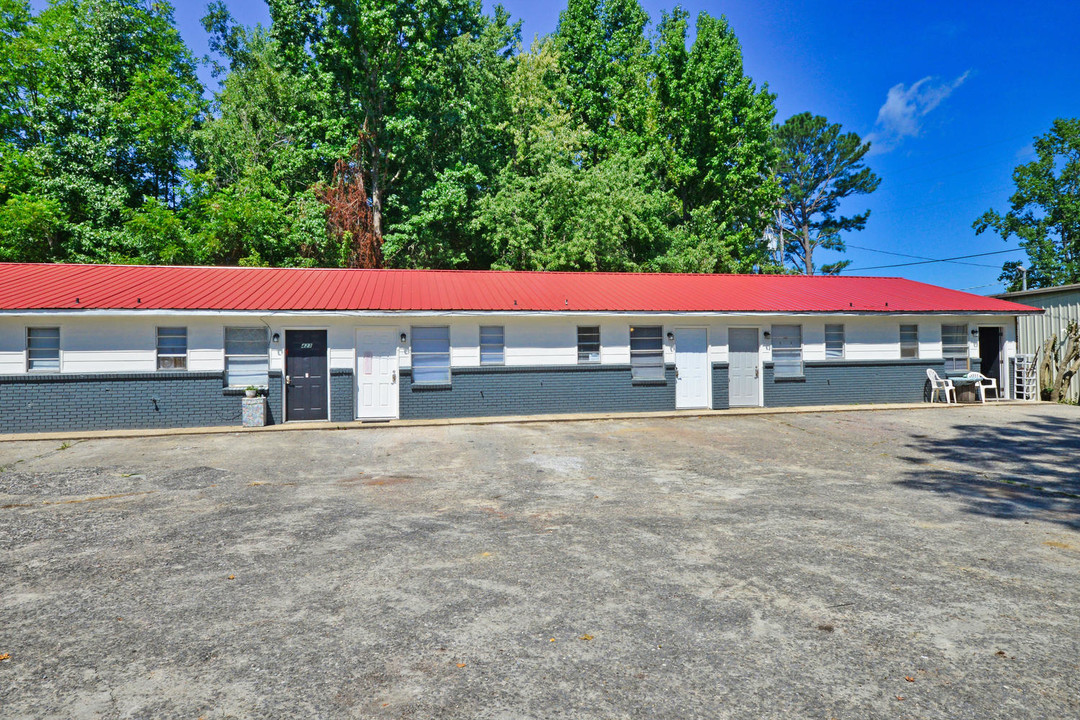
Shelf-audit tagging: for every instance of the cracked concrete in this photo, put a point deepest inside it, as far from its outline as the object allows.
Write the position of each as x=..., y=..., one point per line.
x=696, y=567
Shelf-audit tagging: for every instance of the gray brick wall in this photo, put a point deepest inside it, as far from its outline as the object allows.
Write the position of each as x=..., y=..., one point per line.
x=102, y=401
x=275, y=397
x=530, y=390
x=341, y=395
x=839, y=382
x=720, y=395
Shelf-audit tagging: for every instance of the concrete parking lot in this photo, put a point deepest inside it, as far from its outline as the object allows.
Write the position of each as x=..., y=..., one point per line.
x=899, y=564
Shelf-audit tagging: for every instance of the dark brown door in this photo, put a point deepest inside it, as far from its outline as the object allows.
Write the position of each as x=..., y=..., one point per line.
x=305, y=375
x=990, y=352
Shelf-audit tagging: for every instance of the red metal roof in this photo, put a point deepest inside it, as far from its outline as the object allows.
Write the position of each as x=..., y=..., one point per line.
x=127, y=287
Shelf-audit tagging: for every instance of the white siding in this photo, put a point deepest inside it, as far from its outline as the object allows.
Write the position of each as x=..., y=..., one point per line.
x=101, y=343
x=542, y=341
x=13, y=346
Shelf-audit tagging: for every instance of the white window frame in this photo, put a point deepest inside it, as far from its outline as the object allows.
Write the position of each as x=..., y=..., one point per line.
x=492, y=345
x=793, y=352
x=30, y=330
x=957, y=355
x=265, y=356
x=833, y=353
x=647, y=363
x=159, y=355
x=587, y=356
x=912, y=347
x=437, y=354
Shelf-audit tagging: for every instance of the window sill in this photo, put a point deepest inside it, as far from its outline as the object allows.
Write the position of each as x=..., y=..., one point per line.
x=643, y=382
x=263, y=391
x=792, y=379
x=426, y=387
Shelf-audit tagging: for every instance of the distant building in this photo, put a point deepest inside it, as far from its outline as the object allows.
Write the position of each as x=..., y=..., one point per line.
x=1061, y=304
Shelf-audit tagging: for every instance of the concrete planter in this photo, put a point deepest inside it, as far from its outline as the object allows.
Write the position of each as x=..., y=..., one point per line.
x=254, y=411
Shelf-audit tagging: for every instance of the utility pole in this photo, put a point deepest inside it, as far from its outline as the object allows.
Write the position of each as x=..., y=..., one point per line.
x=780, y=245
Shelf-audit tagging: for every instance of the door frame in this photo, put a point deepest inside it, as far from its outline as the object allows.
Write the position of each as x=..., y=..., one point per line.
x=1003, y=367
x=708, y=366
x=285, y=364
x=760, y=364
x=396, y=330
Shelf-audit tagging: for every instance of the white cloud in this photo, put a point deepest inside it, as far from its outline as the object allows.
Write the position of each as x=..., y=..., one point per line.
x=905, y=107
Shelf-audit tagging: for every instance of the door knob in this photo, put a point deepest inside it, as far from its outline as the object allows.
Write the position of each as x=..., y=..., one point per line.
x=393, y=376
x=757, y=373
x=288, y=380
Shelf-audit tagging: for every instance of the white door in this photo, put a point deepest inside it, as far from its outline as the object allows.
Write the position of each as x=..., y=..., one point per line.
x=743, y=367
x=692, y=368
x=376, y=373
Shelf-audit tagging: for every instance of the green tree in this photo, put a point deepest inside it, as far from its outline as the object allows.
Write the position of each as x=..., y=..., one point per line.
x=714, y=132
x=439, y=198
x=818, y=167
x=604, y=55
x=397, y=79
x=100, y=98
x=1045, y=211
x=270, y=143
x=553, y=208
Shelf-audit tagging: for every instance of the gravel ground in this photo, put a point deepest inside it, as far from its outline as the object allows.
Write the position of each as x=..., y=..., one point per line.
x=900, y=564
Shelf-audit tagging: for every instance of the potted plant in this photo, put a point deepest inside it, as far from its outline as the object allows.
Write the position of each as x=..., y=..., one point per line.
x=251, y=391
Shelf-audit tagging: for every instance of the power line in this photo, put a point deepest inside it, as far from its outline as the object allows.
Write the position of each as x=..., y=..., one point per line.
x=976, y=287
x=917, y=257
x=927, y=262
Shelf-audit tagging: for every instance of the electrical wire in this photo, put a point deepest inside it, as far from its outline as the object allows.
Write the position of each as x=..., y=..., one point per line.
x=916, y=257
x=927, y=262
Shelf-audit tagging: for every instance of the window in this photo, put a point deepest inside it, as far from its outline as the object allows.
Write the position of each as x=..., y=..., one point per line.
x=172, y=348
x=492, y=346
x=834, y=341
x=588, y=344
x=909, y=341
x=954, y=347
x=647, y=353
x=787, y=350
x=247, y=360
x=431, y=355
x=43, y=349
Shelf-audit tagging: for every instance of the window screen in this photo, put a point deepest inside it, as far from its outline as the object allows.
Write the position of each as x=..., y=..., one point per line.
x=647, y=353
x=787, y=350
x=834, y=341
x=172, y=348
x=431, y=354
x=954, y=347
x=909, y=341
x=247, y=360
x=588, y=344
x=43, y=349
x=492, y=346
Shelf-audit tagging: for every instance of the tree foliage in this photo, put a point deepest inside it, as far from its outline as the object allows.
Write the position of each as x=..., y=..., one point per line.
x=410, y=133
x=1045, y=211
x=100, y=100
x=818, y=167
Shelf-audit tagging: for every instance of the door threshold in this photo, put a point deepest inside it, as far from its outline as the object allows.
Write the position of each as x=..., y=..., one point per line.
x=375, y=420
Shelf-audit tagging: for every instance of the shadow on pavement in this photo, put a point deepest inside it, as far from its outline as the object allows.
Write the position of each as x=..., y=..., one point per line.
x=1023, y=469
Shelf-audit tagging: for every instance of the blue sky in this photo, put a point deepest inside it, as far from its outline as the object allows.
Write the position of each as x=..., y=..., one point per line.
x=950, y=93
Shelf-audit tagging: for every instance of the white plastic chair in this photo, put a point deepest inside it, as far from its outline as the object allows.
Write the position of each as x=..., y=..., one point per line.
x=941, y=385
x=984, y=383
